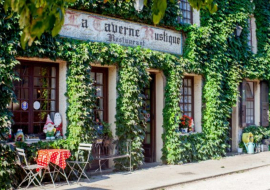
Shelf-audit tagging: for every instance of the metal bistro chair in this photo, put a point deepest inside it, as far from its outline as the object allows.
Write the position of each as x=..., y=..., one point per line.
x=80, y=162
x=31, y=176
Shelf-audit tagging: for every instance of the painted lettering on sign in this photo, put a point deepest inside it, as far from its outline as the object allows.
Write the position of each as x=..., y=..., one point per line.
x=92, y=27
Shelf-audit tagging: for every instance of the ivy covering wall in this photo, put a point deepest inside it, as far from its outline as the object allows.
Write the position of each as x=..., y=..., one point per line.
x=212, y=51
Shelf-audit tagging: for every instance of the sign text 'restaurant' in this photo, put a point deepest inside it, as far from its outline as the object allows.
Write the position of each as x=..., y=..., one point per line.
x=92, y=27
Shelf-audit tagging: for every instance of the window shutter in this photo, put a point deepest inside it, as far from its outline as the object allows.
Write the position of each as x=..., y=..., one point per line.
x=242, y=113
x=264, y=103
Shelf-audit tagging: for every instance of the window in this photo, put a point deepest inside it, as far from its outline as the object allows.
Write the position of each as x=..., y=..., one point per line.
x=187, y=97
x=249, y=88
x=37, y=95
x=250, y=33
x=100, y=77
x=186, y=11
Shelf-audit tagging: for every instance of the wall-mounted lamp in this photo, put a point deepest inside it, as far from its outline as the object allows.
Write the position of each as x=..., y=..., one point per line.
x=138, y=5
x=238, y=30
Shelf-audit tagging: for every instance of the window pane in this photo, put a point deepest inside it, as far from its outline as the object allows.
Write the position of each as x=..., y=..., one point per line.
x=24, y=82
x=189, y=99
x=53, y=83
x=25, y=70
x=99, y=90
x=99, y=78
x=24, y=94
x=92, y=76
x=189, y=91
x=185, y=82
x=148, y=139
x=148, y=128
x=100, y=115
x=37, y=71
x=185, y=91
x=181, y=99
x=17, y=93
x=189, y=82
x=100, y=103
x=53, y=72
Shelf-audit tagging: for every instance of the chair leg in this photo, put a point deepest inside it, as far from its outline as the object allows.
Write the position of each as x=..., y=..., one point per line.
x=26, y=178
x=99, y=162
x=49, y=172
x=72, y=168
x=33, y=176
x=83, y=172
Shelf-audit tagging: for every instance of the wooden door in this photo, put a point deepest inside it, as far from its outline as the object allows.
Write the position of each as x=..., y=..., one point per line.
x=100, y=77
x=38, y=86
x=149, y=141
x=264, y=103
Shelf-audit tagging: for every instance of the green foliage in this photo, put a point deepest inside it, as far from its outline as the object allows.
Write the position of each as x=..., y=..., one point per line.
x=259, y=132
x=209, y=4
x=212, y=51
x=125, y=9
x=37, y=17
x=6, y=166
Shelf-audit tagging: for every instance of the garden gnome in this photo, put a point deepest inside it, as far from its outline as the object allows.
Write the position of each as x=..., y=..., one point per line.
x=49, y=129
x=58, y=123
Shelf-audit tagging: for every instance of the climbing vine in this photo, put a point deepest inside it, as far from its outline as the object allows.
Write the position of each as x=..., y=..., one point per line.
x=212, y=51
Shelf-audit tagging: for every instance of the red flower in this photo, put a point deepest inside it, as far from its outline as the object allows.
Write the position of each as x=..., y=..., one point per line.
x=186, y=121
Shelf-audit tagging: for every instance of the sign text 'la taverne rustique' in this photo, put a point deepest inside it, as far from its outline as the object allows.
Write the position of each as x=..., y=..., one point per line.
x=97, y=28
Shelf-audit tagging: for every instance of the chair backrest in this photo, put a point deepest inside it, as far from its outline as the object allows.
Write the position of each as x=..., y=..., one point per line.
x=21, y=157
x=84, y=147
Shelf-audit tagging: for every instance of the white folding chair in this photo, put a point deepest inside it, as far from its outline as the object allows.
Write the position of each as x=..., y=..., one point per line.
x=79, y=162
x=30, y=170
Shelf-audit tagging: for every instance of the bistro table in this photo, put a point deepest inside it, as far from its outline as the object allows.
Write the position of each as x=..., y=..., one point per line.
x=56, y=158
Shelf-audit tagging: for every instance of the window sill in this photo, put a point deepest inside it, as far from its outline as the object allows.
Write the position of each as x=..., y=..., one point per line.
x=30, y=141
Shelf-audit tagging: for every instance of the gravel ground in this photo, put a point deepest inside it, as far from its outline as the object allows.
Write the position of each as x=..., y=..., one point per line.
x=255, y=179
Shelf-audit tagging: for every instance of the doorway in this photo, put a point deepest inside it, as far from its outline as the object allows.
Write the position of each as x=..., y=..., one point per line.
x=100, y=77
x=149, y=143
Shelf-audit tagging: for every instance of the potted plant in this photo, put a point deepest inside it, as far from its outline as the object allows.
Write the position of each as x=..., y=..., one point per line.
x=185, y=123
x=103, y=132
x=107, y=134
x=240, y=147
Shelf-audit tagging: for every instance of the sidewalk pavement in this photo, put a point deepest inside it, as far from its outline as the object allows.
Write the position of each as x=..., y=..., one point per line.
x=162, y=176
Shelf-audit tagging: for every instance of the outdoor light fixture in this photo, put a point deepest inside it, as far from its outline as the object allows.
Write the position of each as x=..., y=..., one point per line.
x=238, y=30
x=138, y=5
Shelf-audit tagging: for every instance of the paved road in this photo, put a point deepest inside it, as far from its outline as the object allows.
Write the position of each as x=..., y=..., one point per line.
x=255, y=179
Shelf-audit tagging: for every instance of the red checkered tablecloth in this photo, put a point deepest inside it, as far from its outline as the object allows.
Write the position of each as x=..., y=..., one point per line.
x=56, y=156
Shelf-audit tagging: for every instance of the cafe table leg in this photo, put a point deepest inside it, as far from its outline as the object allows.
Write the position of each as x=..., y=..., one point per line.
x=58, y=170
